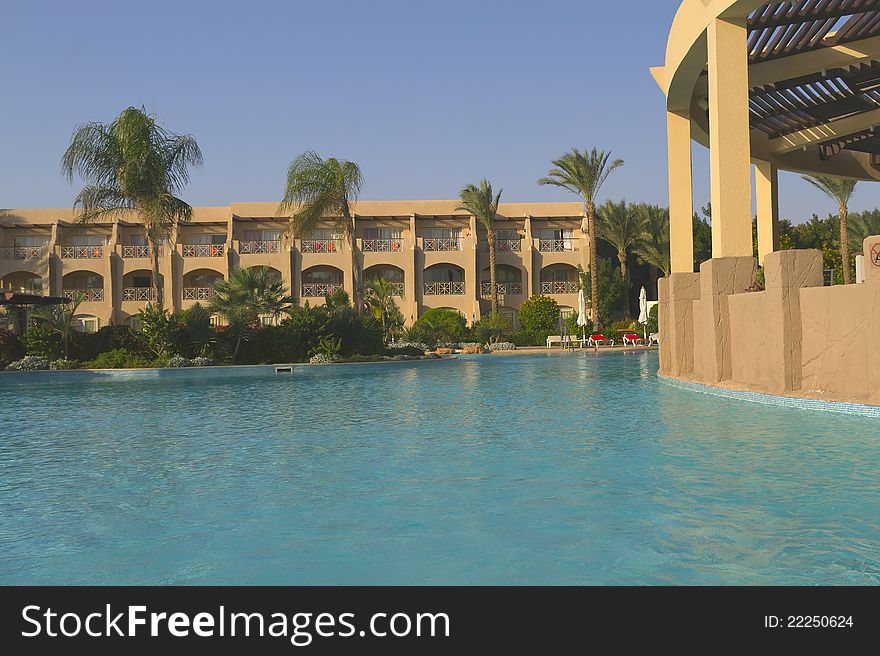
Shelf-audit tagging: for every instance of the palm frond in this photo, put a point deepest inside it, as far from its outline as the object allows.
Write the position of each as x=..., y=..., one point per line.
x=480, y=202
x=838, y=189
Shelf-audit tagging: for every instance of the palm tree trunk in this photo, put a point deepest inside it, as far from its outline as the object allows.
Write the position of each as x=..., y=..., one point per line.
x=492, y=279
x=624, y=274
x=594, y=266
x=356, y=277
x=844, y=244
x=154, y=266
x=235, y=350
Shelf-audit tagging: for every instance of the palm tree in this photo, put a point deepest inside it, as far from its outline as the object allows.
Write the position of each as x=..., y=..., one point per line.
x=318, y=189
x=482, y=203
x=653, y=245
x=379, y=298
x=840, y=190
x=133, y=164
x=862, y=225
x=244, y=297
x=621, y=227
x=583, y=173
x=61, y=319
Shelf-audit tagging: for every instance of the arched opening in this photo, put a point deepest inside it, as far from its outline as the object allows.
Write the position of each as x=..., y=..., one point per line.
x=507, y=277
x=319, y=281
x=559, y=279
x=198, y=285
x=392, y=274
x=274, y=274
x=138, y=285
x=564, y=313
x=83, y=284
x=444, y=280
x=23, y=281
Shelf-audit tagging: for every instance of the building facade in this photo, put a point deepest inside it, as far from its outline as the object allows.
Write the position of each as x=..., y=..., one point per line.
x=435, y=256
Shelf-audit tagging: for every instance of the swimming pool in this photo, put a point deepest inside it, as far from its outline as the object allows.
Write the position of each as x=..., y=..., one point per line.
x=529, y=469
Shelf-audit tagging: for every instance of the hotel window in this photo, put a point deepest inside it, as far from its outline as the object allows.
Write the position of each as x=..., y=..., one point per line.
x=262, y=235
x=86, y=240
x=382, y=239
x=30, y=242
x=441, y=239
x=141, y=281
x=215, y=239
x=87, y=324
x=506, y=235
x=557, y=239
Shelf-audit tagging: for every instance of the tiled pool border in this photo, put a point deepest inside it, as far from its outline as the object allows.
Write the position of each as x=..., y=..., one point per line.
x=816, y=405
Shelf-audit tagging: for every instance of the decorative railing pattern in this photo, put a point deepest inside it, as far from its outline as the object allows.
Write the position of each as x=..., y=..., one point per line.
x=319, y=289
x=254, y=247
x=22, y=252
x=197, y=293
x=559, y=287
x=138, y=294
x=436, y=244
x=82, y=252
x=138, y=251
x=95, y=294
x=381, y=245
x=321, y=245
x=507, y=245
x=554, y=245
x=444, y=288
x=398, y=289
x=503, y=288
x=203, y=250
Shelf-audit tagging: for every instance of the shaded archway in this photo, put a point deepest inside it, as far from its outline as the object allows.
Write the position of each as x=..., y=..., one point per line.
x=319, y=281
x=198, y=285
x=392, y=274
x=443, y=280
x=138, y=285
x=559, y=279
x=23, y=281
x=507, y=277
x=85, y=284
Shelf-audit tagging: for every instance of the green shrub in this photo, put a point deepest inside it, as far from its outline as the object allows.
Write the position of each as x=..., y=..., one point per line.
x=405, y=349
x=11, y=348
x=87, y=346
x=653, y=325
x=63, y=364
x=42, y=341
x=611, y=290
x=194, y=336
x=438, y=325
x=539, y=317
x=363, y=358
x=119, y=359
x=489, y=329
x=29, y=363
x=159, y=330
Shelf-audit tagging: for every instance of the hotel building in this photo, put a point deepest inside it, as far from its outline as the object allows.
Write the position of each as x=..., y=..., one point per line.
x=436, y=257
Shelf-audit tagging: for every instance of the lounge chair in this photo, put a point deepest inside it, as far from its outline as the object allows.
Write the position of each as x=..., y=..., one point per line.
x=554, y=339
x=632, y=339
x=600, y=340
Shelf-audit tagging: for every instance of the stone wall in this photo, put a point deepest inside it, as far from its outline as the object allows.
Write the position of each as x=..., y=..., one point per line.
x=795, y=337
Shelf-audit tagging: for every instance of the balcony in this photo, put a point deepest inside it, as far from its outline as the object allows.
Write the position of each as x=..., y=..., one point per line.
x=560, y=287
x=138, y=294
x=95, y=252
x=93, y=295
x=198, y=293
x=440, y=244
x=321, y=246
x=319, y=289
x=381, y=245
x=398, y=289
x=506, y=245
x=204, y=250
x=504, y=288
x=142, y=252
x=22, y=252
x=554, y=245
x=258, y=247
x=444, y=288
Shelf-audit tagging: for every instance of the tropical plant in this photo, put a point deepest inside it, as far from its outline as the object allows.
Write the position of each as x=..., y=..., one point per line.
x=622, y=227
x=611, y=293
x=197, y=331
x=328, y=347
x=11, y=348
x=861, y=225
x=158, y=329
x=323, y=189
x=840, y=190
x=243, y=297
x=539, y=317
x=653, y=245
x=482, y=203
x=584, y=173
x=438, y=325
x=379, y=298
x=61, y=320
x=488, y=330
x=133, y=164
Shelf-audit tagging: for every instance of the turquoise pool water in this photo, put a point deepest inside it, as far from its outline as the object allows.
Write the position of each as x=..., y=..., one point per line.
x=542, y=469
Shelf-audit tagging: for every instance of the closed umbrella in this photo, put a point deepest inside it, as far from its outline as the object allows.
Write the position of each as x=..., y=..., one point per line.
x=582, y=312
x=643, y=312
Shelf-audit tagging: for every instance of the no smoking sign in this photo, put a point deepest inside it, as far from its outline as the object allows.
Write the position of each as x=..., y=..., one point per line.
x=875, y=255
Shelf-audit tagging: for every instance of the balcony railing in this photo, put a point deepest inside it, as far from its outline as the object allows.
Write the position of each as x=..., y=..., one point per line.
x=254, y=247
x=554, y=245
x=506, y=245
x=398, y=289
x=319, y=289
x=138, y=294
x=197, y=293
x=559, y=287
x=22, y=252
x=444, y=288
x=503, y=288
x=321, y=245
x=95, y=294
x=203, y=250
x=436, y=244
x=138, y=251
x=82, y=252
x=381, y=245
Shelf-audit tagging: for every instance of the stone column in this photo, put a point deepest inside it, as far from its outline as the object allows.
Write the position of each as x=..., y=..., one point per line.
x=528, y=258
x=681, y=204
x=678, y=322
x=730, y=156
x=767, y=199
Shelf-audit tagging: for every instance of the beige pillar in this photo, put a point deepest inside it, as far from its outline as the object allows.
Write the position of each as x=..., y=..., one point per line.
x=767, y=200
x=729, y=139
x=681, y=203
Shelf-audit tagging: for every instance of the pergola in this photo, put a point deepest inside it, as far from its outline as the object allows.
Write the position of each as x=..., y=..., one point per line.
x=781, y=85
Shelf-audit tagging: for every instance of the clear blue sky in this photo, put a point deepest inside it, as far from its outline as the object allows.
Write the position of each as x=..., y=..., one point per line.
x=424, y=96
